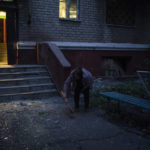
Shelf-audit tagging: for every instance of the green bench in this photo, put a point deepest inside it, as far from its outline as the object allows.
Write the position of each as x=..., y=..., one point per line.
x=139, y=102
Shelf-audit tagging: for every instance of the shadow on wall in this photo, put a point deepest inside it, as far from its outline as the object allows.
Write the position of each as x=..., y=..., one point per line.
x=115, y=66
x=145, y=65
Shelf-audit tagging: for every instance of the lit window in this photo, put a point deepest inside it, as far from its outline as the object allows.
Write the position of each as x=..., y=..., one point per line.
x=73, y=9
x=2, y=15
x=68, y=9
x=62, y=8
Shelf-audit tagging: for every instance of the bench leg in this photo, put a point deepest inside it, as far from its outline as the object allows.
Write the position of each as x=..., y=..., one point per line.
x=118, y=107
x=109, y=104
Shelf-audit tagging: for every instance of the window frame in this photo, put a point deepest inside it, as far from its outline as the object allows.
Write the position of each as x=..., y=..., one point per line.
x=5, y=1
x=68, y=11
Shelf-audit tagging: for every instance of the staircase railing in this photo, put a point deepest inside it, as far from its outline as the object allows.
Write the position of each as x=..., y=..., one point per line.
x=51, y=56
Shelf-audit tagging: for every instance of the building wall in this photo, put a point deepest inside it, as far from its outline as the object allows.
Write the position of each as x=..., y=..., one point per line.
x=94, y=60
x=46, y=26
x=147, y=22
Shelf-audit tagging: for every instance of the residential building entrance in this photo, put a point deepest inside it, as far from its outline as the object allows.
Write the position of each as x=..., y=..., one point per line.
x=8, y=35
x=3, y=39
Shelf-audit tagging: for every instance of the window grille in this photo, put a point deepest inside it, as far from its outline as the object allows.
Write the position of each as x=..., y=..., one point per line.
x=120, y=12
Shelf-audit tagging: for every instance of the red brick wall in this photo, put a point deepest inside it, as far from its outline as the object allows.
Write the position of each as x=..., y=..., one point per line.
x=93, y=60
x=27, y=57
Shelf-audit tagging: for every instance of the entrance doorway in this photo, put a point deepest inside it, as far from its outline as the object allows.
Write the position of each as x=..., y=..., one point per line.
x=3, y=39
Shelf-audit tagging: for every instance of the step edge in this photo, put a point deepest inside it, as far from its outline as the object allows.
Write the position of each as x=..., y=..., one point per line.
x=20, y=73
x=24, y=86
x=28, y=93
x=21, y=66
x=21, y=79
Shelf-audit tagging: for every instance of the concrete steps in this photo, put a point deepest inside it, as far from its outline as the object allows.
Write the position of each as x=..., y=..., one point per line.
x=23, y=74
x=20, y=68
x=25, y=82
x=25, y=88
x=28, y=95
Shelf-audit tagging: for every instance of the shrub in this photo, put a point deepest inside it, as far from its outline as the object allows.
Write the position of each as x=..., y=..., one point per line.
x=129, y=88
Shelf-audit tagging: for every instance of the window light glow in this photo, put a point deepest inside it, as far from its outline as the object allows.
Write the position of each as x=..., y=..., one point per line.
x=73, y=9
x=62, y=8
x=2, y=15
x=68, y=9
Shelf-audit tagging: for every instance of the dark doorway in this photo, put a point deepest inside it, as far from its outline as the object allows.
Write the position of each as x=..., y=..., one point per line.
x=11, y=36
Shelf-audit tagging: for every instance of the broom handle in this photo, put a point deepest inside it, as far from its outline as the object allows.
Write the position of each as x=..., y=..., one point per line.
x=67, y=102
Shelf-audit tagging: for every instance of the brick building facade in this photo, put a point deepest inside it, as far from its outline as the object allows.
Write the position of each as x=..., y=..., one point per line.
x=98, y=22
x=91, y=26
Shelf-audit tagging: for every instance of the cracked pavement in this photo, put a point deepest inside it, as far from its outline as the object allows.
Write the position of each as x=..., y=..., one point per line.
x=48, y=125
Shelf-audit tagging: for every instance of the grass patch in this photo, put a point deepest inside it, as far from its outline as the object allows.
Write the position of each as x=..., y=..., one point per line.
x=96, y=100
x=41, y=113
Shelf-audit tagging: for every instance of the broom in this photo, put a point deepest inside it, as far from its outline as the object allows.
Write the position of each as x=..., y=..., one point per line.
x=67, y=102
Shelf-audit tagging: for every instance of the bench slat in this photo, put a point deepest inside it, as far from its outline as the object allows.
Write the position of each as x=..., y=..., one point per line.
x=127, y=99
